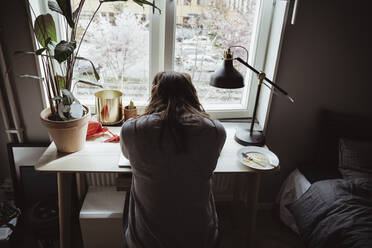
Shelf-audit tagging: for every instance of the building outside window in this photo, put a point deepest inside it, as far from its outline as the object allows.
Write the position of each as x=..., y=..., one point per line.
x=130, y=44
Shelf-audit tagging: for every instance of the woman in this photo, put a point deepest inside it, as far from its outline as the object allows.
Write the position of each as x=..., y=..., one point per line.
x=173, y=149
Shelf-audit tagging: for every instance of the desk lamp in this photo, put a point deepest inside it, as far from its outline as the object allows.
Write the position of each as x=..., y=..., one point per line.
x=227, y=77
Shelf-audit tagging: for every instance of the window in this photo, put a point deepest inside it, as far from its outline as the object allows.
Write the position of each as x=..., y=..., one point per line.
x=200, y=43
x=187, y=2
x=130, y=44
x=118, y=44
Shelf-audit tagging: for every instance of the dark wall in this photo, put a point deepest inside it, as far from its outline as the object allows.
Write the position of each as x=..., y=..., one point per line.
x=324, y=63
x=15, y=35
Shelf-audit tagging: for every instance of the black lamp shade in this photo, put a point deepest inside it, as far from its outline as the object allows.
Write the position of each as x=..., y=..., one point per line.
x=227, y=77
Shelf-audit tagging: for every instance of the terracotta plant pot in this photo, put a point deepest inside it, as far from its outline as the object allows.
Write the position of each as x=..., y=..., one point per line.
x=69, y=136
x=129, y=113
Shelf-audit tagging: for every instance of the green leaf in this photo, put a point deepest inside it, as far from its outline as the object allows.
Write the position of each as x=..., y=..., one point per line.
x=68, y=97
x=69, y=107
x=144, y=2
x=61, y=108
x=45, y=28
x=96, y=75
x=53, y=43
x=57, y=98
x=40, y=51
x=90, y=83
x=53, y=5
x=63, y=50
x=76, y=110
x=63, y=7
x=23, y=52
x=32, y=53
x=61, y=81
x=48, y=41
x=31, y=76
x=78, y=9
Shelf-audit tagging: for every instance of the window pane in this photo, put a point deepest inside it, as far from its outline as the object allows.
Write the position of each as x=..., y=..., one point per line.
x=205, y=28
x=117, y=42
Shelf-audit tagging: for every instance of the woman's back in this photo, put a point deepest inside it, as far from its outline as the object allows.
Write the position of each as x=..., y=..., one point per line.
x=171, y=203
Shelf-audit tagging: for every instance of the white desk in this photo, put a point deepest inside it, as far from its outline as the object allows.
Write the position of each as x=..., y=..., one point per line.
x=103, y=157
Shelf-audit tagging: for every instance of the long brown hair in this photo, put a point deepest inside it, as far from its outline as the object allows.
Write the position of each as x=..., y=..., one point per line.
x=173, y=95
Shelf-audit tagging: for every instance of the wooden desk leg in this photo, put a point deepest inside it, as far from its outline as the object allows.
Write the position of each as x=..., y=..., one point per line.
x=252, y=202
x=81, y=187
x=64, y=181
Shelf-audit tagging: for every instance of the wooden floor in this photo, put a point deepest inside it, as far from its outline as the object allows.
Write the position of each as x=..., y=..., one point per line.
x=270, y=232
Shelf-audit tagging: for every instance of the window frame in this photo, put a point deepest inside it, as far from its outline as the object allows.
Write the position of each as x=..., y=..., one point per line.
x=258, y=50
x=40, y=7
x=163, y=29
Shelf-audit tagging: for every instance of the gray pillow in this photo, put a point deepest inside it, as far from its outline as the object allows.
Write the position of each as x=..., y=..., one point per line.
x=355, y=158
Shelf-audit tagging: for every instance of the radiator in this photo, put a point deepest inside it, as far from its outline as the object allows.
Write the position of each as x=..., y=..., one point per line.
x=222, y=184
x=101, y=179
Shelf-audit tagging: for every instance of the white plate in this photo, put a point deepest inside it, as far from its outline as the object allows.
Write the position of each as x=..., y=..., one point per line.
x=273, y=159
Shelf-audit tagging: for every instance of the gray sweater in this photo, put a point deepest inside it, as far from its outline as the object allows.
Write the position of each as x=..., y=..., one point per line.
x=171, y=202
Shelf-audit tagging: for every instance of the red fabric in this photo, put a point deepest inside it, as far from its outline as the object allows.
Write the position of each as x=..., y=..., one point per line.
x=96, y=130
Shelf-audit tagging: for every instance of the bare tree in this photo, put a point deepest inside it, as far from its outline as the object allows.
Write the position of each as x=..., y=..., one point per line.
x=119, y=46
x=229, y=28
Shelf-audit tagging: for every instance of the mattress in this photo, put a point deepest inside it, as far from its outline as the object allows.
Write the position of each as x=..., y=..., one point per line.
x=292, y=188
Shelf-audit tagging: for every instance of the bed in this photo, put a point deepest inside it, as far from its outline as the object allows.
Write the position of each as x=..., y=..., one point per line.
x=329, y=202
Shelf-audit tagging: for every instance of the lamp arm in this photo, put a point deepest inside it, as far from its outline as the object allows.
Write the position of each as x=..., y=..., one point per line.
x=246, y=50
x=266, y=79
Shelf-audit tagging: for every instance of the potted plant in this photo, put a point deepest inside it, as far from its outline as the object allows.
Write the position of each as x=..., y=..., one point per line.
x=130, y=111
x=65, y=118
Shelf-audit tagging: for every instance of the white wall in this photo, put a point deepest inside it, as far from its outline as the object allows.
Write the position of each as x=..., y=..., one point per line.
x=325, y=63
